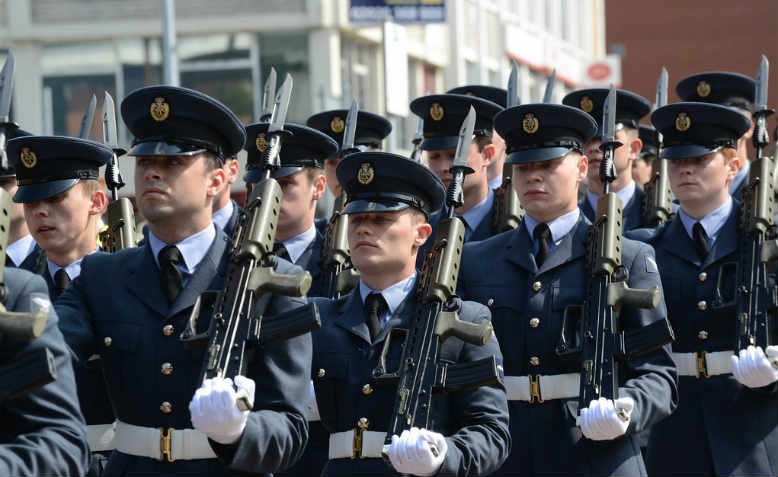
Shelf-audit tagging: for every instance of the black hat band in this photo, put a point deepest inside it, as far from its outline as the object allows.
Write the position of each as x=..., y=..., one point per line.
x=185, y=141
x=717, y=143
x=373, y=196
x=524, y=147
x=78, y=174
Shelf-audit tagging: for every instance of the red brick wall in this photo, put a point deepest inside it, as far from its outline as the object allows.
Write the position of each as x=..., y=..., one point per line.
x=691, y=37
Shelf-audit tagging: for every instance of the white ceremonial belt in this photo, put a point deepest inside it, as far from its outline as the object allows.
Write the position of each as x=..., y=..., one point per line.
x=159, y=443
x=540, y=388
x=705, y=364
x=356, y=444
x=100, y=437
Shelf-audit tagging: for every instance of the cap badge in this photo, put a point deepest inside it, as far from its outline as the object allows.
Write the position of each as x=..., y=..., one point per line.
x=160, y=110
x=587, y=104
x=337, y=125
x=261, y=142
x=703, y=89
x=683, y=122
x=29, y=159
x=436, y=111
x=365, y=174
x=530, y=123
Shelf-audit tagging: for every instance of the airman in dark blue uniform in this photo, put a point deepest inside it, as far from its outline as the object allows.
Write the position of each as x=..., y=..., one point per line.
x=43, y=431
x=643, y=165
x=62, y=201
x=528, y=276
x=630, y=108
x=131, y=307
x=727, y=89
x=390, y=198
x=724, y=424
x=225, y=210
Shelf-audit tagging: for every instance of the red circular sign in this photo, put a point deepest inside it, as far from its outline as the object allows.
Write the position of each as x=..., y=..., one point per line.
x=599, y=71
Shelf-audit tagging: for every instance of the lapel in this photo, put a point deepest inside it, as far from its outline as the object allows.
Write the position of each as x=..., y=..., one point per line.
x=143, y=280
x=727, y=241
x=632, y=212
x=49, y=282
x=208, y=270
x=484, y=229
x=586, y=208
x=351, y=316
x=519, y=249
x=229, y=227
x=35, y=261
x=571, y=248
x=310, y=258
x=678, y=242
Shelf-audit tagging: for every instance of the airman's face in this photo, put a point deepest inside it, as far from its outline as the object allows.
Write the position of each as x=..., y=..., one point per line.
x=549, y=189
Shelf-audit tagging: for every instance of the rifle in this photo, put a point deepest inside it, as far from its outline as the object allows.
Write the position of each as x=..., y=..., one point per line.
x=340, y=276
x=508, y=211
x=754, y=299
x=601, y=340
x=658, y=203
x=436, y=319
x=236, y=312
x=417, y=139
x=119, y=232
x=33, y=369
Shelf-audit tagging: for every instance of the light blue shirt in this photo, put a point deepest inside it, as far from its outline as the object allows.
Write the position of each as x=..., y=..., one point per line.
x=223, y=215
x=741, y=175
x=560, y=227
x=21, y=249
x=296, y=245
x=712, y=223
x=394, y=295
x=495, y=183
x=73, y=270
x=624, y=194
x=476, y=214
x=193, y=249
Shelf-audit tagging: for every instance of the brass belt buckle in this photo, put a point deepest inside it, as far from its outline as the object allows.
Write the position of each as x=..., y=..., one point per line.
x=702, y=365
x=165, y=446
x=362, y=424
x=534, y=389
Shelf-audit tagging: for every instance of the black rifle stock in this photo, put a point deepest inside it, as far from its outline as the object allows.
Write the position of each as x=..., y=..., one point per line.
x=340, y=276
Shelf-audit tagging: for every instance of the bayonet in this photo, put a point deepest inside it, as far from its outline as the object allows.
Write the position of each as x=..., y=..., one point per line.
x=609, y=144
x=281, y=106
x=507, y=207
x=658, y=203
x=417, y=139
x=350, y=130
x=268, y=96
x=512, y=98
x=464, y=140
x=549, y=87
x=761, y=138
x=6, y=93
x=89, y=116
x=110, y=136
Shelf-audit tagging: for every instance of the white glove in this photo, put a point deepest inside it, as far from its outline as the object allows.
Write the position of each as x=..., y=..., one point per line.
x=214, y=408
x=603, y=421
x=412, y=452
x=755, y=370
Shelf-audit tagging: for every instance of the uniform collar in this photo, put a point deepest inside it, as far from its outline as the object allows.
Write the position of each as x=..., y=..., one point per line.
x=297, y=245
x=624, y=194
x=223, y=215
x=475, y=215
x=712, y=223
x=394, y=294
x=495, y=183
x=740, y=177
x=192, y=248
x=560, y=226
x=21, y=249
x=73, y=270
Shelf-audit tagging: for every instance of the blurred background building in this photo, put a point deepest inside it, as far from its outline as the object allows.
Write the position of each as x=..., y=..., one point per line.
x=66, y=50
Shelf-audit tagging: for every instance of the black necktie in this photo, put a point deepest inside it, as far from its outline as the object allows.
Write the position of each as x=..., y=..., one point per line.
x=280, y=251
x=542, y=234
x=170, y=276
x=375, y=306
x=61, y=281
x=700, y=240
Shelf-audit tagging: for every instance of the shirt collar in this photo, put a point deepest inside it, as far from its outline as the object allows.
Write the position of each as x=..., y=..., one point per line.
x=394, y=294
x=193, y=248
x=223, y=215
x=740, y=177
x=624, y=194
x=21, y=249
x=712, y=223
x=476, y=213
x=495, y=183
x=296, y=245
x=560, y=226
x=73, y=270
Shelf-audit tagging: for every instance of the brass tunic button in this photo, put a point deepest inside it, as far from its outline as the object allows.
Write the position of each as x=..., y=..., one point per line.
x=702, y=305
x=702, y=276
x=167, y=369
x=107, y=341
x=534, y=322
x=534, y=361
x=703, y=335
x=367, y=389
x=321, y=373
x=166, y=407
x=363, y=423
x=167, y=330
x=537, y=286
